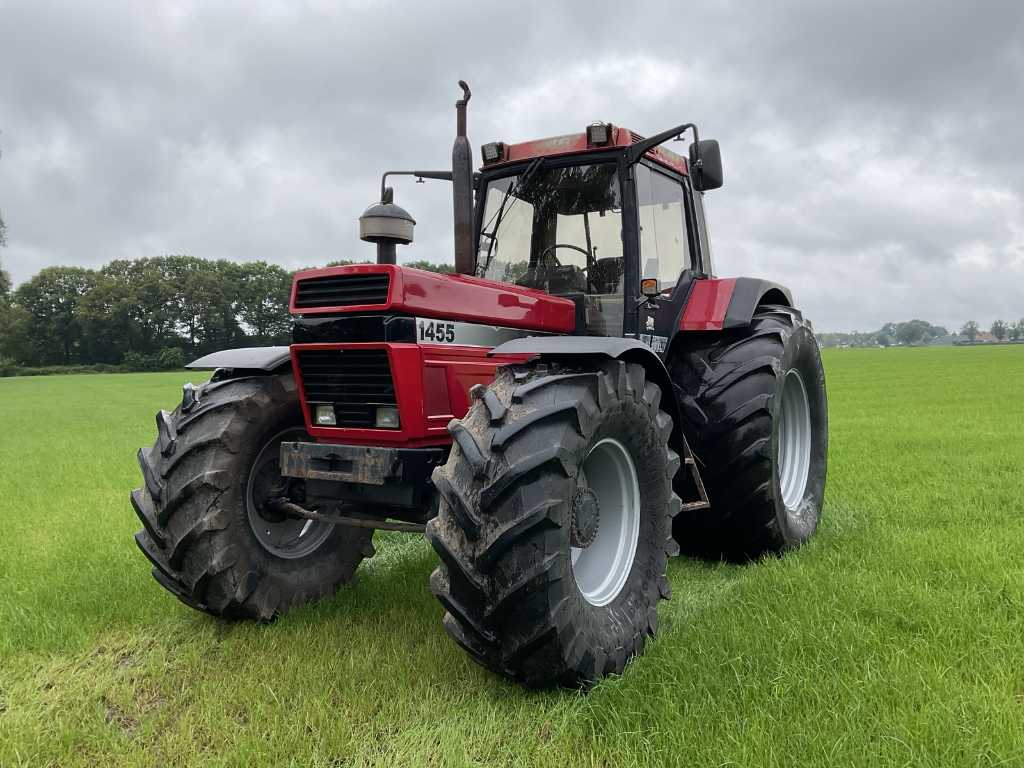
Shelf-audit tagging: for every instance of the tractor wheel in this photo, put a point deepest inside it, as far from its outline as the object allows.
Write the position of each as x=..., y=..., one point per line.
x=554, y=526
x=207, y=530
x=755, y=414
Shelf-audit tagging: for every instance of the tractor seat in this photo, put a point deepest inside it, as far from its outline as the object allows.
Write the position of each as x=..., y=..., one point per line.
x=554, y=280
x=606, y=275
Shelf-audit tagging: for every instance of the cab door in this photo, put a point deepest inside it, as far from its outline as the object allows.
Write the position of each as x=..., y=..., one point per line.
x=669, y=250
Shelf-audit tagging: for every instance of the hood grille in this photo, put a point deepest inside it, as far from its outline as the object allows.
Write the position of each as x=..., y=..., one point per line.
x=342, y=291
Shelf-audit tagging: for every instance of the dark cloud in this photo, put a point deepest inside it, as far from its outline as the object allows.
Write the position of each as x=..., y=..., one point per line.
x=870, y=148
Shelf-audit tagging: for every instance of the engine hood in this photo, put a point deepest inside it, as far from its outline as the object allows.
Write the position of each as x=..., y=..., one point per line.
x=378, y=288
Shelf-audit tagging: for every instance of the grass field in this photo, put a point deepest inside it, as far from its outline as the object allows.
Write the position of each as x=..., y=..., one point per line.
x=895, y=638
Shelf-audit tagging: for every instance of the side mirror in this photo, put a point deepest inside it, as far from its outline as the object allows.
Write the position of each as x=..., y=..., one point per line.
x=705, y=165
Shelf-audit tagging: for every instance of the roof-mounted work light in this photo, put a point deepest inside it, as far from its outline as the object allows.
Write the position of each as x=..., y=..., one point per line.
x=493, y=152
x=599, y=134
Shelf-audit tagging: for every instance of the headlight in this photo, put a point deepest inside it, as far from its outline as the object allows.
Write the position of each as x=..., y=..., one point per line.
x=387, y=417
x=325, y=416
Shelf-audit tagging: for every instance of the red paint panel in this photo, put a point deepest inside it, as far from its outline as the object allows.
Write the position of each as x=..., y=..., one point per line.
x=707, y=305
x=432, y=385
x=576, y=143
x=455, y=297
x=464, y=368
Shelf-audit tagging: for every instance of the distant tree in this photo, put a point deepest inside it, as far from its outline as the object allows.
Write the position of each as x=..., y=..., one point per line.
x=430, y=266
x=1017, y=330
x=343, y=263
x=913, y=332
x=107, y=316
x=205, y=302
x=3, y=232
x=5, y=287
x=6, y=320
x=262, y=300
x=883, y=339
x=154, y=301
x=970, y=330
x=51, y=299
x=999, y=329
x=515, y=270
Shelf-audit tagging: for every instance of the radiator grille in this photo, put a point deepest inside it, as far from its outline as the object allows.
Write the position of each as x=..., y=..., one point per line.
x=353, y=381
x=342, y=291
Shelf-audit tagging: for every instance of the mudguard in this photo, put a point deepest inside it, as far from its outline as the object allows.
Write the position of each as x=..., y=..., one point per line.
x=749, y=293
x=689, y=485
x=717, y=304
x=629, y=350
x=246, y=358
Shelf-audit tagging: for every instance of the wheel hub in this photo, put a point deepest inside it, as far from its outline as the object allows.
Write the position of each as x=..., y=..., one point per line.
x=586, y=518
x=279, y=534
x=794, y=452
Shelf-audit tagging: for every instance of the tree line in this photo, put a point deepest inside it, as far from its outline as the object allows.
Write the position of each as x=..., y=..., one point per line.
x=159, y=313
x=145, y=314
x=1000, y=330
x=920, y=332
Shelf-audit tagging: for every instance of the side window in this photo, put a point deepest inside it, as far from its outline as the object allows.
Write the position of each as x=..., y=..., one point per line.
x=664, y=245
x=702, y=232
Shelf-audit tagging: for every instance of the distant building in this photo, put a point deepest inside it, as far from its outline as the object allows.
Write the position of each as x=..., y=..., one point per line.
x=944, y=341
x=984, y=336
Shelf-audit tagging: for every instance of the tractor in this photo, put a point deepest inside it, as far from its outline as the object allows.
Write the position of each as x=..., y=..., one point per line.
x=577, y=402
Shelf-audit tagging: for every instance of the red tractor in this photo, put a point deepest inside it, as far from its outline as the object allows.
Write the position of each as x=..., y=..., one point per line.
x=580, y=399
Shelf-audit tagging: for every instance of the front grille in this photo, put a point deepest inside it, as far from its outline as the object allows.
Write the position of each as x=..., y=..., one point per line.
x=353, y=381
x=342, y=291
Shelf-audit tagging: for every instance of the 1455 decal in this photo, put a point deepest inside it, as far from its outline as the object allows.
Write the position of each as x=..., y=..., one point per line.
x=437, y=331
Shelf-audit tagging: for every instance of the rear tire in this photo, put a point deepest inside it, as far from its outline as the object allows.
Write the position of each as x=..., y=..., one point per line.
x=756, y=417
x=554, y=526
x=210, y=541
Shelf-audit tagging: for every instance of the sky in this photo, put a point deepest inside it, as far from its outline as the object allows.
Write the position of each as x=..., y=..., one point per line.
x=872, y=150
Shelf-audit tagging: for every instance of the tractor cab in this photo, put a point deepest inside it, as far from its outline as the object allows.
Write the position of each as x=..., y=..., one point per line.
x=578, y=216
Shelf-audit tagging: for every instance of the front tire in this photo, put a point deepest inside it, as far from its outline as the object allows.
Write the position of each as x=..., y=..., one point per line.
x=756, y=417
x=554, y=526
x=207, y=531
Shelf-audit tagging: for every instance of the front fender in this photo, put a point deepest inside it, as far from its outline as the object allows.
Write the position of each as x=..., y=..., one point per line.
x=268, y=359
x=616, y=348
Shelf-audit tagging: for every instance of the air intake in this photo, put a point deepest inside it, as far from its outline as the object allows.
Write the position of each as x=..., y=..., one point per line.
x=342, y=291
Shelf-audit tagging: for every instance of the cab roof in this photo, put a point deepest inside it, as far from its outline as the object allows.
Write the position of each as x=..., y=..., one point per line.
x=576, y=143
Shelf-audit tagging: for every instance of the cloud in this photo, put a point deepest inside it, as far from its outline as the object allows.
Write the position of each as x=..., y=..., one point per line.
x=870, y=148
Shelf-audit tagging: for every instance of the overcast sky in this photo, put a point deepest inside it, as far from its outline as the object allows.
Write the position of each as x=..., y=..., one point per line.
x=873, y=150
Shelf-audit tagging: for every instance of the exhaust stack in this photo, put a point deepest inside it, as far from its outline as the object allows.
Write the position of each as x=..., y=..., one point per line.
x=462, y=189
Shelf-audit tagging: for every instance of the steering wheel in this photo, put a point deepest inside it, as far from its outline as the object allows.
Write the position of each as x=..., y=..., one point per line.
x=551, y=248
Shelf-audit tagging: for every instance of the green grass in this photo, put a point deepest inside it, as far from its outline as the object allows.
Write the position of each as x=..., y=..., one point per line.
x=895, y=638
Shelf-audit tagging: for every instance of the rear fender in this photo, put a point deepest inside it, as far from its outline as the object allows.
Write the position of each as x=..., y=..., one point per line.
x=718, y=304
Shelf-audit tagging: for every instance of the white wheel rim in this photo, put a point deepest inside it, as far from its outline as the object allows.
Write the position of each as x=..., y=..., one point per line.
x=601, y=570
x=794, y=461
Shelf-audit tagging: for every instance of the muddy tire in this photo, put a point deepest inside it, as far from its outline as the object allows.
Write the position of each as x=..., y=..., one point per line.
x=205, y=531
x=755, y=415
x=554, y=527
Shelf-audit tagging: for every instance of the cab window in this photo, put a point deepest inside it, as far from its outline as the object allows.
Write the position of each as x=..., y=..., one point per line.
x=559, y=229
x=664, y=244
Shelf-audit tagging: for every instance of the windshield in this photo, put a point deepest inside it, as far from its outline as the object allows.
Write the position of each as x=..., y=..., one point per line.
x=556, y=229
